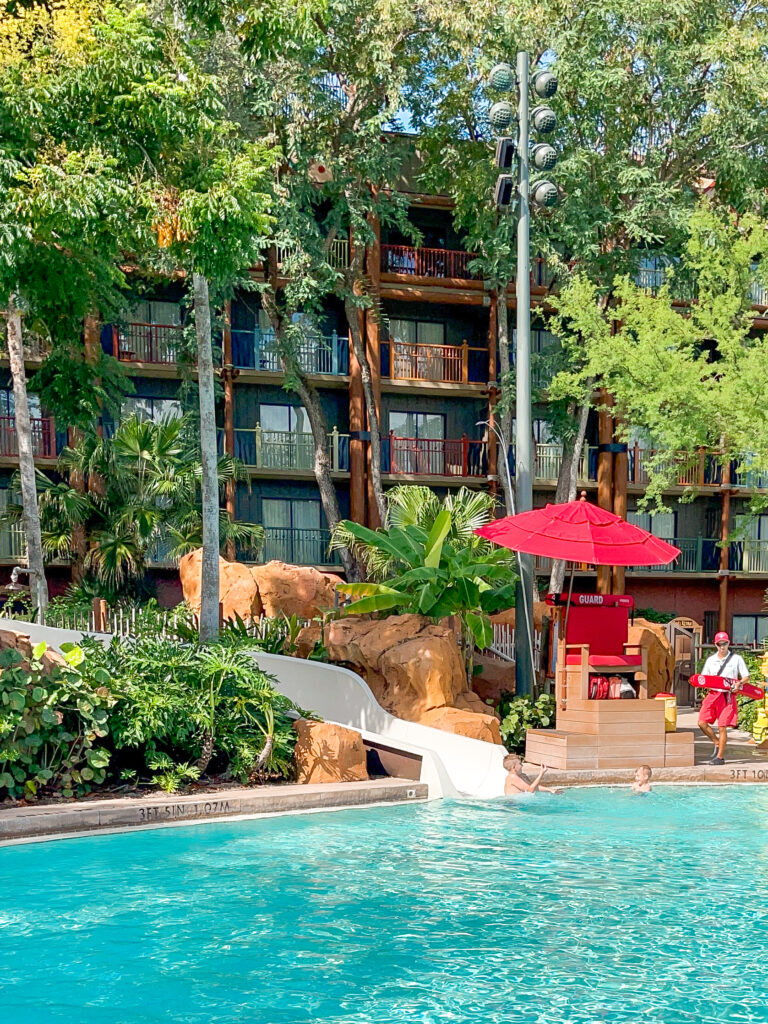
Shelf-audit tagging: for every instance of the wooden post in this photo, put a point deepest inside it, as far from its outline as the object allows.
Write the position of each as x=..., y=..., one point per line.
x=464, y=455
x=725, y=523
x=373, y=351
x=228, y=374
x=604, y=478
x=493, y=462
x=464, y=362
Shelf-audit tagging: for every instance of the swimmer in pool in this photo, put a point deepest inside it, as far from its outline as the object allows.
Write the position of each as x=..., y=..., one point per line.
x=516, y=782
x=642, y=783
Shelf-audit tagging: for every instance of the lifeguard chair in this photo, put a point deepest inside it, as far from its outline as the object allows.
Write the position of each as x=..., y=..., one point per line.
x=593, y=643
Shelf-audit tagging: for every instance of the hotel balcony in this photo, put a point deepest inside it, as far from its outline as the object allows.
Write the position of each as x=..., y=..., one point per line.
x=421, y=456
x=44, y=444
x=285, y=451
x=154, y=344
x=446, y=264
x=13, y=546
x=320, y=354
x=298, y=546
x=448, y=364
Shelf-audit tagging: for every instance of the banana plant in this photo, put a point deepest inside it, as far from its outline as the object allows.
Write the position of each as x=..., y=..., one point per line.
x=435, y=576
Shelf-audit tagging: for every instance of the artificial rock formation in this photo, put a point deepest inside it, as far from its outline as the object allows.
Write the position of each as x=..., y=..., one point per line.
x=661, y=658
x=325, y=752
x=13, y=639
x=415, y=671
x=272, y=589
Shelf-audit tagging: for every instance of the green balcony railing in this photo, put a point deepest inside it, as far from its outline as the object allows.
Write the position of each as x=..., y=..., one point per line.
x=298, y=546
x=286, y=449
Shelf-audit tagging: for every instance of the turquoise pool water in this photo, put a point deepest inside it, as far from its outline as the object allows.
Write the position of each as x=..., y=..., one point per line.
x=593, y=907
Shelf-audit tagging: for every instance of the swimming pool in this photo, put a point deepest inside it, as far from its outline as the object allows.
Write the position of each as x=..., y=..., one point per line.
x=593, y=907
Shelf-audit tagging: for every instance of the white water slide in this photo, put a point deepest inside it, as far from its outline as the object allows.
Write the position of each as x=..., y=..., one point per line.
x=451, y=765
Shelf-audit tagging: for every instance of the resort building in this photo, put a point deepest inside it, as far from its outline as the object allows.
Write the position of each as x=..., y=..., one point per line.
x=431, y=342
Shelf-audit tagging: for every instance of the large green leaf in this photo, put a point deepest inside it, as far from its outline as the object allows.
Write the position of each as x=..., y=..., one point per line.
x=481, y=629
x=380, y=602
x=395, y=543
x=438, y=533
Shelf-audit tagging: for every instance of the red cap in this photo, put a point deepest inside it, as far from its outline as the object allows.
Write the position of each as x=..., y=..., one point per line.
x=722, y=636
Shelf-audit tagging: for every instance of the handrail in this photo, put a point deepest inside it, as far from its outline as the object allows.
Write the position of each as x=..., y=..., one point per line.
x=43, y=437
x=285, y=449
x=421, y=262
x=457, y=364
x=423, y=456
x=298, y=546
x=137, y=342
x=256, y=349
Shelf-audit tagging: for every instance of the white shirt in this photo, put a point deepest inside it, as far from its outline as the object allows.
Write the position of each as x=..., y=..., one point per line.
x=735, y=669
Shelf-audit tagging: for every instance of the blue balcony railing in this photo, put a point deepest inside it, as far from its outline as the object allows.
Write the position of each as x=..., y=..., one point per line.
x=298, y=546
x=257, y=350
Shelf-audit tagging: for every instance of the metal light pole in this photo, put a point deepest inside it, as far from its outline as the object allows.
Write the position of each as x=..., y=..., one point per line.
x=524, y=680
x=502, y=79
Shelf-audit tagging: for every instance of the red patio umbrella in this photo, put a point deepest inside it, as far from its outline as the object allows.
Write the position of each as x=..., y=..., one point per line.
x=578, y=531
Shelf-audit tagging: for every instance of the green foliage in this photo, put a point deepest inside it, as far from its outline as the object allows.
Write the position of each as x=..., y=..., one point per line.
x=748, y=710
x=52, y=726
x=518, y=714
x=179, y=704
x=651, y=615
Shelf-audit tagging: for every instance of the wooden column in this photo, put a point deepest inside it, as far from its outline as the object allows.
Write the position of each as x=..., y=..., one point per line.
x=228, y=374
x=493, y=392
x=725, y=525
x=604, y=479
x=620, y=470
x=373, y=352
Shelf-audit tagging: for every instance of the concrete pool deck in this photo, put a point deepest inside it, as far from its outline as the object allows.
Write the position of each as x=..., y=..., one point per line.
x=744, y=762
x=156, y=810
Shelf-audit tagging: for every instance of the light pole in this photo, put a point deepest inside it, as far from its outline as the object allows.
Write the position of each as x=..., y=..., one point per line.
x=542, y=157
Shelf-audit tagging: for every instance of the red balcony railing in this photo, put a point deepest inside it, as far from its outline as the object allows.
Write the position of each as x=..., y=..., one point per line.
x=452, y=364
x=147, y=343
x=43, y=437
x=407, y=259
x=423, y=456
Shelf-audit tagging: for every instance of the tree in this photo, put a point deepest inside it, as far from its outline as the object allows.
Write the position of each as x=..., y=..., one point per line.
x=148, y=502
x=693, y=376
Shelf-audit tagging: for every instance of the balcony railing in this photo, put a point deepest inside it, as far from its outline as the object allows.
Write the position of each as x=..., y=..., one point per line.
x=12, y=541
x=549, y=459
x=456, y=364
x=704, y=471
x=416, y=262
x=43, y=437
x=298, y=546
x=147, y=343
x=257, y=350
x=338, y=255
x=422, y=456
x=697, y=554
x=285, y=449
x=749, y=556
x=759, y=294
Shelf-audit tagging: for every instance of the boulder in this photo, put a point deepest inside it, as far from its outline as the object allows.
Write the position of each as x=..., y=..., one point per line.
x=496, y=677
x=415, y=671
x=238, y=590
x=325, y=752
x=306, y=639
x=294, y=589
x=541, y=611
x=464, y=723
x=661, y=657
x=13, y=639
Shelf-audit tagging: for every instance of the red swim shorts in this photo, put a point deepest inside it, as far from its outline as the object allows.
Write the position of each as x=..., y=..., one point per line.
x=721, y=708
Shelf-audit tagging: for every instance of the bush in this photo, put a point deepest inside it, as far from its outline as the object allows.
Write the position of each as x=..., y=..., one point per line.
x=51, y=725
x=181, y=708
x=518, y=714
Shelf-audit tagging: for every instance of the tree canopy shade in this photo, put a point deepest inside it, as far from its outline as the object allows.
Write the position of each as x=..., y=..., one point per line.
x=693, y=374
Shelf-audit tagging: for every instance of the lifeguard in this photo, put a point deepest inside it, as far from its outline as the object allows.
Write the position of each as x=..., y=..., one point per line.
x=722, y=707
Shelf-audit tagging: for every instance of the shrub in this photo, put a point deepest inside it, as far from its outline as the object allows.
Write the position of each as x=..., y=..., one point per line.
x=518, y=714
x=186, y=706
x=51, y=722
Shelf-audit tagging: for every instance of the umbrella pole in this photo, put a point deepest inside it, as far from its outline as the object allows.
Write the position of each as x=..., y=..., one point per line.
x=568, y=604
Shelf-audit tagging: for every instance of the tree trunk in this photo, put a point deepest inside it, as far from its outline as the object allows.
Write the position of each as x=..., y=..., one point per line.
x=505, y=417
x=370, y=404
x=209, y=604
x=30, y=512
x=568, y=480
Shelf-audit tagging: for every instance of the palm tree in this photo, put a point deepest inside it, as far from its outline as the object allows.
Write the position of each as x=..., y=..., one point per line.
x=145, y=497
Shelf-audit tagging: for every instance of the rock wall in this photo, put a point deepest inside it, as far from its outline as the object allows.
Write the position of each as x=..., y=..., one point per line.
x=415, y=671
x=272, y=589
x=661, y=657
x=328, y=753
x=12, y=639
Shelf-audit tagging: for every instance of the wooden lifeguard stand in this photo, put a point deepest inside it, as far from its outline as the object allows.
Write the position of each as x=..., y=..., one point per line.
x=592, y=641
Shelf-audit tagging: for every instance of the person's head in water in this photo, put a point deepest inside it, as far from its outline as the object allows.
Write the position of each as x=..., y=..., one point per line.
x=643, y=775
x=512, y=763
